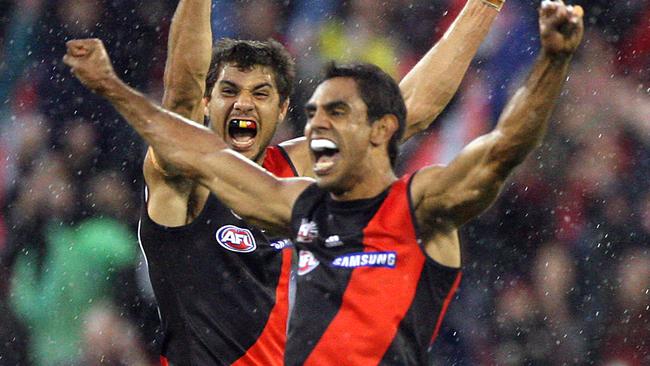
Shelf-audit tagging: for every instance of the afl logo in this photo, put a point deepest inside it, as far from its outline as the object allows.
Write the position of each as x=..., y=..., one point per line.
x=307, y=262
x=236, y=239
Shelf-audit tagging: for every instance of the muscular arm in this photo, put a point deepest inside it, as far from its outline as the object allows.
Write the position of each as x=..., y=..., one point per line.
x=430, y=85
x=189, y=50
x=472, y=181
x=188, y=60
x=193, y=149
x=200, y=154
x=434, y=80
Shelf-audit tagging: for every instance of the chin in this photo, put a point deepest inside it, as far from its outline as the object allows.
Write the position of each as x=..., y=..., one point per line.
x=330, y=184
x=250, y=153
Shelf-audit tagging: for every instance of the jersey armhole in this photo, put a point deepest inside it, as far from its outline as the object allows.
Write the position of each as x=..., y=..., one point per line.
x=145, y=218
x=418, y=232
x=285, y=154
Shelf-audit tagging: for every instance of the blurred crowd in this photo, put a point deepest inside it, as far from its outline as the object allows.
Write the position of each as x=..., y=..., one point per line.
x=557, y=272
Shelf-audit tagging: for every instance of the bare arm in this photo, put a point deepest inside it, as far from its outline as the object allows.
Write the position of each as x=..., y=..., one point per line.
x=472, y=181
x=189, y=51
x=434, y=80
x=193, y=149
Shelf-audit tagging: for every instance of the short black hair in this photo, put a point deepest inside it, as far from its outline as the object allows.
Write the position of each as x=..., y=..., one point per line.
x=379, y=91
x=247, y=54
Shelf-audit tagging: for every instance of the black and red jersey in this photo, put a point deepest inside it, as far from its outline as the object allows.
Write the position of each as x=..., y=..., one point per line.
x=221, y=285
x=367, y=294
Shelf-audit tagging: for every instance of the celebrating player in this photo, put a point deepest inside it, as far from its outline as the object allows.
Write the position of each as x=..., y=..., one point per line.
x=376, y=280
x=222, y=286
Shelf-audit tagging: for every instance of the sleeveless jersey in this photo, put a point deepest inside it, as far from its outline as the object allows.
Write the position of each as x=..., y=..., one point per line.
x=220, y=284
x=367, y=294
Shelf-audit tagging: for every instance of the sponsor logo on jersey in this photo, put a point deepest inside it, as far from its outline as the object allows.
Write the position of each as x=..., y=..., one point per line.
x=236, y=239
x=281, y=244
x=333, y=241
x=306, y=262
x=366, y=259
x=307, y=232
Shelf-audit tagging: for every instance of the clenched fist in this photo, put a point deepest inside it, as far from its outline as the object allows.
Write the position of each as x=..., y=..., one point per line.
x=90, y=63
x=561, y=27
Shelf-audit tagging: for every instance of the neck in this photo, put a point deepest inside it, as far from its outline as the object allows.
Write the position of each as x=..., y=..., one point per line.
x=259, y=159
x=370, y=182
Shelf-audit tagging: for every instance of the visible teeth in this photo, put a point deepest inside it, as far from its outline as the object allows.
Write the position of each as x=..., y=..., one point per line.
x=322, y=144
x=323, y=165
x=240, y=123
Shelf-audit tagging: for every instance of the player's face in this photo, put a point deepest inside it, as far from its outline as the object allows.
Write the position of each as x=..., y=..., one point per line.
x=338, y=133
x=245, y=108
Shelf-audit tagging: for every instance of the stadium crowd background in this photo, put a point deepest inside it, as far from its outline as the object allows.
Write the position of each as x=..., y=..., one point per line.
x=557, y=272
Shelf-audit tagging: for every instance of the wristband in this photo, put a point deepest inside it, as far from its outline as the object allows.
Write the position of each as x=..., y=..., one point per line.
x=497, y=4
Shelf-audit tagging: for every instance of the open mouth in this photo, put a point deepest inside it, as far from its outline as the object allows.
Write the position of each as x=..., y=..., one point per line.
x=326, y=153
x=242, y=132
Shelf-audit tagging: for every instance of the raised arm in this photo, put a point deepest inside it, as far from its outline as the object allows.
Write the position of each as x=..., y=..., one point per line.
x=434, y=80
x=455, y=194
x=193, y=149
x=189, y=51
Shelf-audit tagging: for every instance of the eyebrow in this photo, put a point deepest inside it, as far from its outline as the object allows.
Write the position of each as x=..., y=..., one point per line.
x=263, y=85
x=309, y=107
x=256, y=87
x=229, y=83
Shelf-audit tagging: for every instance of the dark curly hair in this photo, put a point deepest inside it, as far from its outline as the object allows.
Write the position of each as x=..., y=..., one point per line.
x=247, y=54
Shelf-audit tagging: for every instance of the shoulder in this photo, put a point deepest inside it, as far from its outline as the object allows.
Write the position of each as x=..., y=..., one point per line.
x=169, y=199
x=278, y=162
x=298, y=152
x=423, y=180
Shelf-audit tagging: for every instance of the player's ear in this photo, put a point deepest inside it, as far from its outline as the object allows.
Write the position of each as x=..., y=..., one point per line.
x=383, y=129
x=205, y=103
x=206, y=106
x=284, y=109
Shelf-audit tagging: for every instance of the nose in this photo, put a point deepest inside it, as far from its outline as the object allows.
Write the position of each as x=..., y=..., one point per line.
x=319, y=121
x=244, y=103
